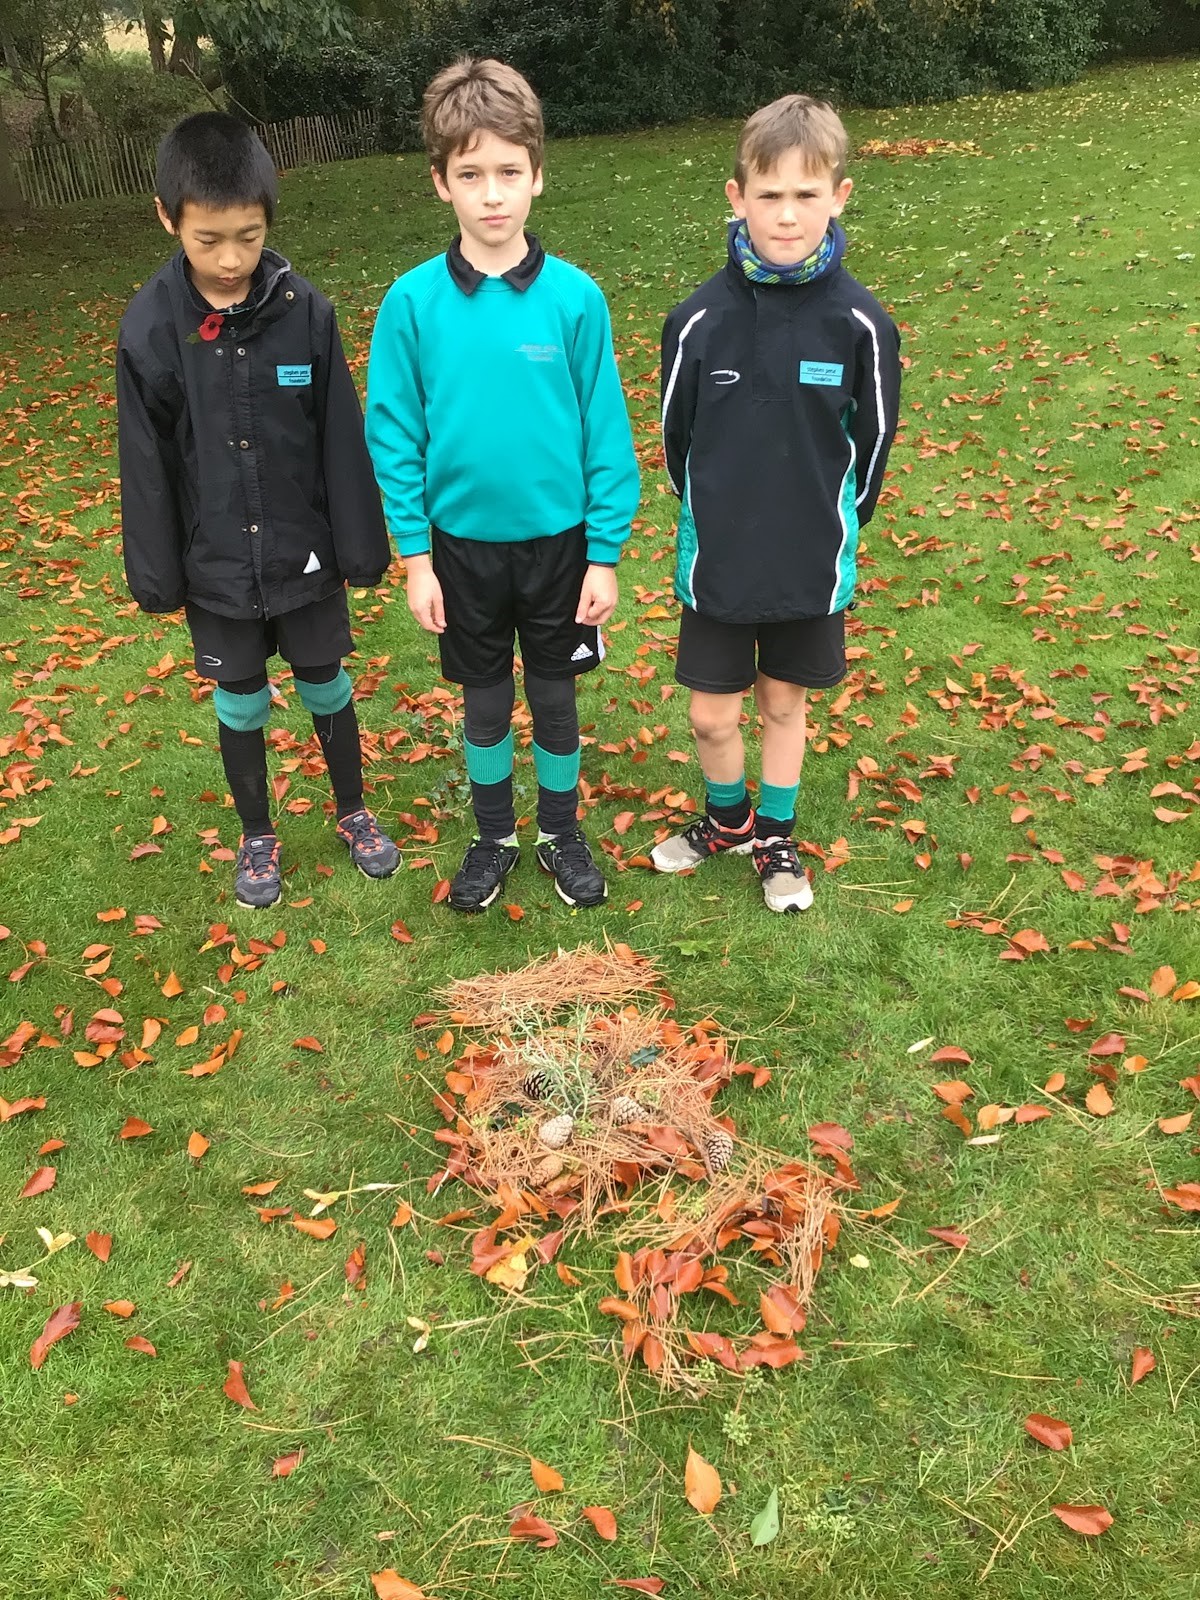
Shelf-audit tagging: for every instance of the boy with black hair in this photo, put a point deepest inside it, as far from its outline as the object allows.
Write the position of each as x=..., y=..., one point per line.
x=246, y=488
x=780, y=395
x=502, y=444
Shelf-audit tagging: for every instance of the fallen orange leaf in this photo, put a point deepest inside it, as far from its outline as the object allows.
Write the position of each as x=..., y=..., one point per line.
x=702, y=1484
x=235, y=1387
x=602, y=1519
x=546, y=1479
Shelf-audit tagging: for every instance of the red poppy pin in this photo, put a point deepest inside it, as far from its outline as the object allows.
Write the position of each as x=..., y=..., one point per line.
x=210, y=328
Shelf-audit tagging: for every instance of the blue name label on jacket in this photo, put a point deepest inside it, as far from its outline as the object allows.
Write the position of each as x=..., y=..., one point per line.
x=300, y=377
x=826, y=372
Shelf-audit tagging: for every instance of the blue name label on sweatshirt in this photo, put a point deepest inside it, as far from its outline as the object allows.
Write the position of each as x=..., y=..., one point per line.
x=301, y=377
x=825, y=372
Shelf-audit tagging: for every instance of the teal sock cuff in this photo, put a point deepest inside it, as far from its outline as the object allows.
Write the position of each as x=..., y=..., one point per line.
x=490, y=763
x=559, y=773
x=778, y=800
x=326, y=699
x=242, y=712
x=726, y=794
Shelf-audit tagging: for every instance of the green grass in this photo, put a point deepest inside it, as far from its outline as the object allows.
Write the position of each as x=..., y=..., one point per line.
x=1047, y=287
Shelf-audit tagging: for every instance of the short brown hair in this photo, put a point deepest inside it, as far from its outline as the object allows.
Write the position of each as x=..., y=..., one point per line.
x=475, y=95
x=796, y=122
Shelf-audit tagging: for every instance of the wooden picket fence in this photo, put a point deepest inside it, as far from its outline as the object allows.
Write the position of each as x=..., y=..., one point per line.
x=95, y=169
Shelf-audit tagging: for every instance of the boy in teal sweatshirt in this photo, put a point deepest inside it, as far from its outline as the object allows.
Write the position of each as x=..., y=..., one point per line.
x=501, y=442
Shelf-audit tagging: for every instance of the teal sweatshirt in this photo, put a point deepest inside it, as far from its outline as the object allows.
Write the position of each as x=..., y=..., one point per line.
x=499, y=415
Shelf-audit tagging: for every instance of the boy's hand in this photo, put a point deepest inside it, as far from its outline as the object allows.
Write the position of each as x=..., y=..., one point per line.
x=425, y=594
x=598, y=597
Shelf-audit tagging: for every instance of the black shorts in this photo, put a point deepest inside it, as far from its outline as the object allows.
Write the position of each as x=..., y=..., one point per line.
x=231, y=648
x=517, y=588
x=719, y=657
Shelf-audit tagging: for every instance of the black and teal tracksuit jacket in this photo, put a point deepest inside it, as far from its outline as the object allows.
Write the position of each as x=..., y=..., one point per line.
x=779, y=406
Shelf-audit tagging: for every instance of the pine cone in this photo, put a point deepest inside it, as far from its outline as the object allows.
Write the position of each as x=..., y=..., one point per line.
x=535, y=1085
x=548, y=1168
x=718, y=1149
x=556, y=1133
x=626, y=1109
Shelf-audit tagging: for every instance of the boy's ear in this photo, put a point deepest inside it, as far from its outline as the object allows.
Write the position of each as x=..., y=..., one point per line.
x=733, y=194
x=163, y=216
x=538, y=182
x=439, y=184
x=840, y=195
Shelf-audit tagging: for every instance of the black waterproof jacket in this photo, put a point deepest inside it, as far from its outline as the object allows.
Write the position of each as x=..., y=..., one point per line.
x=246, y=486
x=779, y=408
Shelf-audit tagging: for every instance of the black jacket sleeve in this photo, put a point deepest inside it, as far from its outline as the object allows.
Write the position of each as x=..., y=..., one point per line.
x=877, y=404
x=679, y=388
x=360, y=538
x=151, y=534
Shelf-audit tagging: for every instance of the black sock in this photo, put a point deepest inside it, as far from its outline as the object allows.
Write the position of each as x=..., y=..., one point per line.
x=245, y=759
x=492, y=804
x=773, y=827
x=735, y=816
x=343, y=756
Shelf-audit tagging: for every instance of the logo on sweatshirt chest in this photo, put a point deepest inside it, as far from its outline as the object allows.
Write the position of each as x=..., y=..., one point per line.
x=294, y=377
x=828, y=374
x=539, y=352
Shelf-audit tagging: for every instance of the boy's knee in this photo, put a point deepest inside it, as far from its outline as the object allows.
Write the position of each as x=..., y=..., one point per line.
x=714, y=716
x=326, y=699
x=778, y=701
x=242, y=712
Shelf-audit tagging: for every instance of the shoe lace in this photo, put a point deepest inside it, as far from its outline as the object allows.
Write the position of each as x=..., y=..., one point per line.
x=778, y=855
x=258, y=856
x=701, y=831
x=480, y=862
x=363, y=832
x=574, y=850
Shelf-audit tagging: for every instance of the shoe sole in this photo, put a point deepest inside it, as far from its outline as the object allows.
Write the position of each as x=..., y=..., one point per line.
x=690, y=866
x=791, y=908
x=259, y=905
x=377, y=877
x=564, y=896
x=482, y=905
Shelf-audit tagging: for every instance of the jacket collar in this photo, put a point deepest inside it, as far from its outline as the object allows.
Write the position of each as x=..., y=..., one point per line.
x=522, y=276
x=268, y=276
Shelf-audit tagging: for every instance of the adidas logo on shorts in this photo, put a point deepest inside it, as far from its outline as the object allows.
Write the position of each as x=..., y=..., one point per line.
x=581, y=652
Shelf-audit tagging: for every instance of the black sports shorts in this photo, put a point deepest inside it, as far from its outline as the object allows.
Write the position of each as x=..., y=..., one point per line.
x=516, y=588
x=720, y=657
x=231, y=648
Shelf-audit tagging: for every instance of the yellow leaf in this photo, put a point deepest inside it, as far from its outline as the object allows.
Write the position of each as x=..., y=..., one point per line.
x=702, y=1484
x=546, y=1479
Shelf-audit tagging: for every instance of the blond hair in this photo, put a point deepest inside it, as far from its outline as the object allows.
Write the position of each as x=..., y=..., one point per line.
x=796, y=122
x=474, y=95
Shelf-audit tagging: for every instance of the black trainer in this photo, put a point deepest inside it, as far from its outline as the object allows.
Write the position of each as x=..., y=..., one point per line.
x=257, y=882
x=567, y=857
x=371, y=851
x=481, y=877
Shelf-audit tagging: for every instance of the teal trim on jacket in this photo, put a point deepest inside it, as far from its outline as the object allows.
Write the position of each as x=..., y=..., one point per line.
x=500, y=415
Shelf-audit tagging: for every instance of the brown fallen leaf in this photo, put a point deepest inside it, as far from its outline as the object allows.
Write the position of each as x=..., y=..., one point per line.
x=1088, y=1520
x=546, y=1479
x=1098, y=1101
x=120, y=1308
x=1143, y=1364
x=197, y=1145
x=640, y=1585
x=142, y=1346
x=702, y=1484
x=602, y=1519
x=235, y=1387
x=284, y=1466
x=389, y=1585
x=61, y=1321
x=100, y=1244
x=134, y=1128
x=1049, y=1431
x=316, y=1227
x=534, y=1529
x=44, y=1178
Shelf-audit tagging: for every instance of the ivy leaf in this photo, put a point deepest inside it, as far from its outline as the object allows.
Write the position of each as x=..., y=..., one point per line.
x=765, y=1526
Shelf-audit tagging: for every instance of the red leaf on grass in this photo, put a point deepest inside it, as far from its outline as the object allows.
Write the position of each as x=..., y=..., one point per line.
x=534, y=1529
x=389, y=1585
x=309, y=1043
x=546, y=1479
x=1108, y=1044
x=60, y=1322
x=142, y=1346
x=43, y=1179
x=702, y=1484
x=401, y=934
x=235, y=1387
x=1089, y=1520
x=100, y=1244
x=284, y=1466
x=950, y=1236
x=951, y=1052
x=1143, y=1364
x=1049, y=1431
x=602, y=1519
x=134, y=1128
x=641, y=1585
x=1184, y=1195
x=440, y=890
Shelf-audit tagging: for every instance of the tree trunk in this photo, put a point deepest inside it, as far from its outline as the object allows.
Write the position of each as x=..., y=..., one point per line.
x=156, y=37
x=185, y=51
x=12, y=205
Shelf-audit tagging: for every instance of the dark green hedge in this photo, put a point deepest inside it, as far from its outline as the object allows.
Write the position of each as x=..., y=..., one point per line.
x=604, y=65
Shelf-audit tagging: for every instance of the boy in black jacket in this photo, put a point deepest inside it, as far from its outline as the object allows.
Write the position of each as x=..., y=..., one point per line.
x=780, y=388
x=246, y=489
